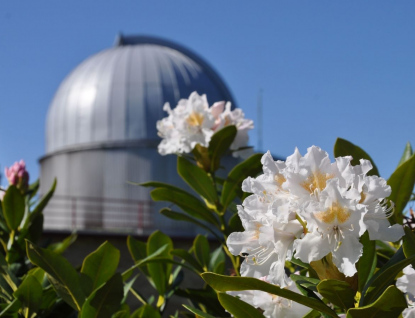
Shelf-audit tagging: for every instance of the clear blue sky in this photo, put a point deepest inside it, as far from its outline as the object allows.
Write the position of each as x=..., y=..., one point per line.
x=327, y=69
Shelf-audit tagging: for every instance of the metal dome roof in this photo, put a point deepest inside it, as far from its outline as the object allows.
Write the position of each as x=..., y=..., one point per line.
x=116, y=96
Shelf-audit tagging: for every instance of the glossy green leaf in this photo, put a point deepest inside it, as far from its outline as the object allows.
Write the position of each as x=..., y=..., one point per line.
x=227, y=283
x=248, y=168
x=13, y=207
x=161, y=251
x=206, y=298
x=407, y=153
x=146, y=311
x=198, y=312
x=106, y=300
x=408, y=243
x=30, y=294
x=390, y=304
x=235, y=224
x=344, y=148
x=41, y=205
x=384, y=277
x=367, y=263
x=308, y=282
x=127, y=288
x=238, y=308
x=60, y=273
x=160, y=273
x=101, y=264
x=402, y=183
x=183, y=217
x=186, y=202
x=201, y=250
x=216, y=258
x=124, y=312
x=337, y=292
x=219, y=144
x=11, y=309
x=62, y=246
x=138, y=251
x=49, y=298
x=188, y=258
x=197, y=179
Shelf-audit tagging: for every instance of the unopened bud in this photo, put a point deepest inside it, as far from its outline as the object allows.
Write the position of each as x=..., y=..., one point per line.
x=18, y=176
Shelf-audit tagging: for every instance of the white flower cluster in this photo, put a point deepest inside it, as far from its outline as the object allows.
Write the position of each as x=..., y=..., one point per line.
x=308, y=207
x=193, y=122
x=406, y=284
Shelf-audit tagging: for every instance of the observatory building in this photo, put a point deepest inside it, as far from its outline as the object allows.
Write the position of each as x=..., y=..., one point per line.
x=101, y=132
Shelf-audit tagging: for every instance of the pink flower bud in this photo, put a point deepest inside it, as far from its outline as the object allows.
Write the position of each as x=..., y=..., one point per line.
x=17, y=175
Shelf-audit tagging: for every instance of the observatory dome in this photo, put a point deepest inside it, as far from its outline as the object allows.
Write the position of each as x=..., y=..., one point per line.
x=117, y=95
x=101, y=133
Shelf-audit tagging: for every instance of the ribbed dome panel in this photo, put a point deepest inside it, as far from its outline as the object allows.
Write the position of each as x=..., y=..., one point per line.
x=118, y=94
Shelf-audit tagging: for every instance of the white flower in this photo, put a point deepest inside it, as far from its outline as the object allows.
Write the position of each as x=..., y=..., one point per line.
x=313, y=207
x=335, y=224
x=406, y=284
x=266, y=244
x=192, y=122
x=225, y=117
x=188, y=124
x=273, y=306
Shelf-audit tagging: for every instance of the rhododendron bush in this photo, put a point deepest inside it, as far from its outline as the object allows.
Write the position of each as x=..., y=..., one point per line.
x=308, y=236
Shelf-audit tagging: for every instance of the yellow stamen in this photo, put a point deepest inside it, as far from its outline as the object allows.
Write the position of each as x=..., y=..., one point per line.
x=195, y=119
x=317, y=180
x=334, y=212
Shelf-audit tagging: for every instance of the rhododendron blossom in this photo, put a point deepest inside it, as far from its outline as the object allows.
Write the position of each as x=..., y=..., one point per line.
x=193, y=122
x=310, y=207
x=406, y=284
x=273, y=305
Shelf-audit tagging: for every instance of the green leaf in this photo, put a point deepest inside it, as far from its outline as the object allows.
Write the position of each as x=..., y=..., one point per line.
x=308, y=282
x=407, y=153
x=188, y=258
x=408, y=243
x=367, y=263
x=41, y=205
x=402, y=183
x=198, y=312
x=11, y=309
x=160, y=273
x=183, y=217
x=60, y=273
x=237, y=307
x=201, y=250
x=145, y=311
x=188, y=203
x=138, y=251
x=248, y=168
x=225, y=283
x=344, y=148
x=128, y=287
x=197, y=179
x=61, y=247
x=219, y=144
x=216, y=258
x=161, y=251
x=101, y=264
x=30, y=294
x=235, y=224
x=206, y=298
x=384, y=277
x=390, y=304
x=337, y=292
x=106, y=300
x=13, y=207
